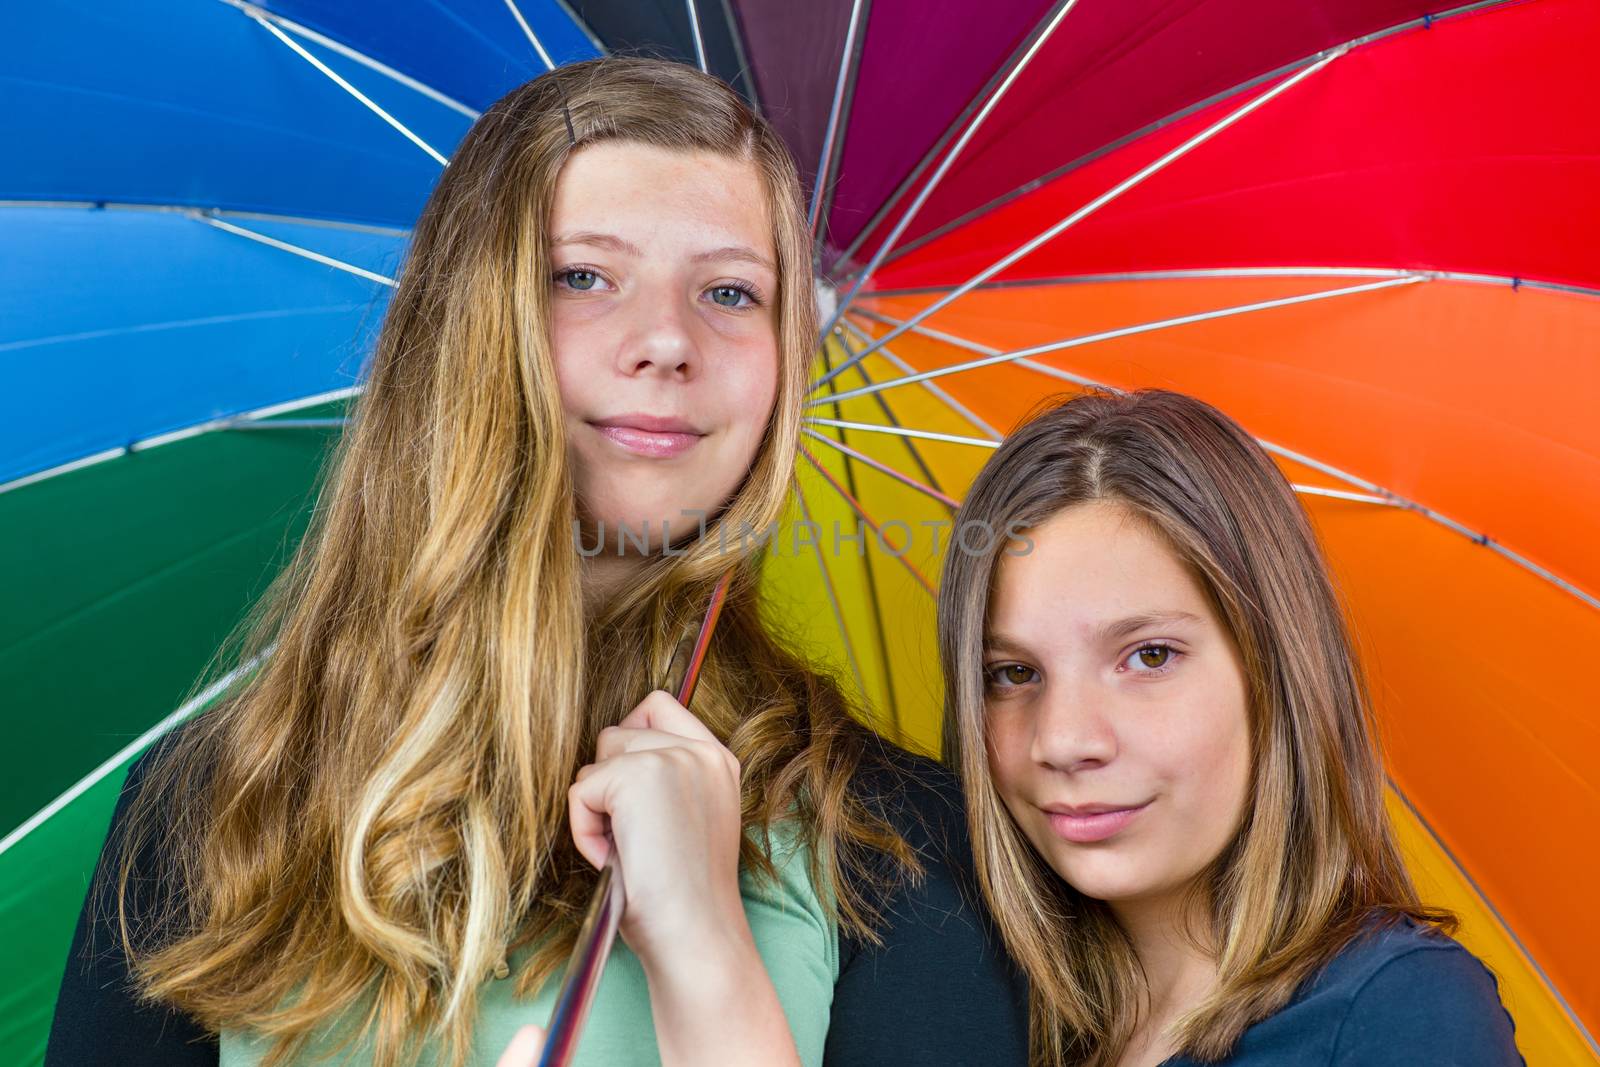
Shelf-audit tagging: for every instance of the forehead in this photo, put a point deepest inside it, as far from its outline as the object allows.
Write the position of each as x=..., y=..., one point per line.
x=649, y=195
x=1089, y=564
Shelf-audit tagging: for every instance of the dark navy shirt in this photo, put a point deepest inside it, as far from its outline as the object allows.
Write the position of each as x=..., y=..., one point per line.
x=939, y=989
x=1404, y=995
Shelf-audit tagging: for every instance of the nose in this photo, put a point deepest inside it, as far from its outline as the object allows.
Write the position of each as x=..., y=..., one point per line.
x=1073, y=728
x=661, y=339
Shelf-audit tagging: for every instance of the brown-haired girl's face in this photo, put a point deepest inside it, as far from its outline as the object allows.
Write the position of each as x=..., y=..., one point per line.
x=1115, y=705
x=664, y=330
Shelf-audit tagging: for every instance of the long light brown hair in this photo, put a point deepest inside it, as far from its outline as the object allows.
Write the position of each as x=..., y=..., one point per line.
x=380, y=809
x=1314, y=858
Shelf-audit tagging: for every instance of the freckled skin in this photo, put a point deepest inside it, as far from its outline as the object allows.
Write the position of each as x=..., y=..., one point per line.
x=655, y=333
x=1091, y=724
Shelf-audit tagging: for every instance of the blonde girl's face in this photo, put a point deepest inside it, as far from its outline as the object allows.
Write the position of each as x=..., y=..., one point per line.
x=664, y=331
x=1115, y=704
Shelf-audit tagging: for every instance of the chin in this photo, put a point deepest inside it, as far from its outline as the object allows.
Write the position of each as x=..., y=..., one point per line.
x=1109, y=885
x=1119, y=879
x=1102, y=871
x=624, y=502
x=640, y=511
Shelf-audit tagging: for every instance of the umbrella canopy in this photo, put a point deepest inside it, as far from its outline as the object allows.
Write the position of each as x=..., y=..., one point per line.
x=1342, y=226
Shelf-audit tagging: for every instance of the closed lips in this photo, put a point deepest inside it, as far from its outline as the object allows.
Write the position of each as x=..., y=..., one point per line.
x=650, y=424
x=1088, y=823
x=1082, y=810
x=653, y=437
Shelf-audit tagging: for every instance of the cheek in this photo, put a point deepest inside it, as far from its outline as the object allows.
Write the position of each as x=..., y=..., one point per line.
x=741, y=402
x=575, y=377
x=1007, y=740
x=1209, y=763
x=750, y=392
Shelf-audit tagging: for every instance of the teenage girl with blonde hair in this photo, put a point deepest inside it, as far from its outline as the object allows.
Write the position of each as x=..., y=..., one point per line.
x=380, y=844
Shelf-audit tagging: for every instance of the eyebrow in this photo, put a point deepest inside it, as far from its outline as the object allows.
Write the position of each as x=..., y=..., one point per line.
x=599, y=240
x=617, y=244
x=739, y=252
x=1110, y=631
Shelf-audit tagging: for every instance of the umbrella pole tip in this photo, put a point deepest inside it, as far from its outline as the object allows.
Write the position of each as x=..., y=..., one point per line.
x=827, y=300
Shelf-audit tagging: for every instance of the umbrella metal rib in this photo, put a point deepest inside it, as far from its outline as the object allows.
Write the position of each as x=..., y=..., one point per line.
x=209, y=426
x=1482, y=539
x=987, y=350
x=951, y=502
x=294, y=249
x=1488, y=905
x=355, y=56
x=877, y=527
x=1017, y=66
x=1151, y=127
x=699, y=42
x=741, y=59
x=178, y=208
x=884, y=468
x=905, y=368
x=1386, y=495
x=132, y=748
x=1106, y=335
x=1343, y=494
x=1241, y=272
x=1153, y=276
x=938, y=146
x=833, y=599
x=1098, y=202
x=904, y=431
x=533, y=38
x=282, y=424
x=892, y=420
x=366, y=101
x=833, y=134
x=879, y=629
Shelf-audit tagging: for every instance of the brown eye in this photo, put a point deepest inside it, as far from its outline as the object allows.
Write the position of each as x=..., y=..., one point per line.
x=1154, y=656
x=1151, y=659
x=1009, y=675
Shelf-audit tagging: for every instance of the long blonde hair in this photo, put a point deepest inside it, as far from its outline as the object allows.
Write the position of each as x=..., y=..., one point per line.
x=1315, y=856
x=381, y=808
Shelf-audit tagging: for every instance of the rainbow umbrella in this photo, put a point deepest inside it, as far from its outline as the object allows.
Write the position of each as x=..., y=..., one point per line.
x=1340, y=223
x=1359, y=227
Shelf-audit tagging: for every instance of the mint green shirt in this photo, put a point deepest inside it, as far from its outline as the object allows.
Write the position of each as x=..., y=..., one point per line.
x=797, y=942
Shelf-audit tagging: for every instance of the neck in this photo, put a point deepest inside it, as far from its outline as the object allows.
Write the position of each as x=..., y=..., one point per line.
x=1178, y=971
x=603, y=576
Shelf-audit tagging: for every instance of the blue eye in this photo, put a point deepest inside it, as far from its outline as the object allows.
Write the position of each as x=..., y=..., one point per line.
x=578, y=279
x=729, y=295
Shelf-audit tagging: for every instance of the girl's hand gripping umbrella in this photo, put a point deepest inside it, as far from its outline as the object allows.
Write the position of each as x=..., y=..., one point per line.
x=599, y=930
